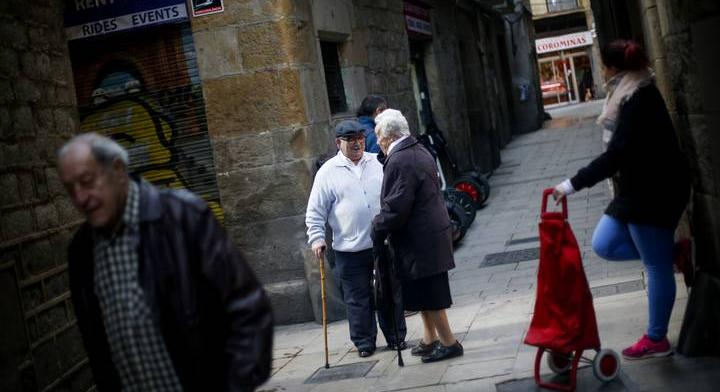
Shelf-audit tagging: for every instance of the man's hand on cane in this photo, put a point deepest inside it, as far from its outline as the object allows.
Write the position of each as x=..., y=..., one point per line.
x=318, y=247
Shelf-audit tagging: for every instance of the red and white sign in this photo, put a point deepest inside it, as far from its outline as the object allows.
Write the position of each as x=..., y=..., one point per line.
x=563, y=42
x=417, y=19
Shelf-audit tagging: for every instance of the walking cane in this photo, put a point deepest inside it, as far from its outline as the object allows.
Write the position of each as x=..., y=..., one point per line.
x=391, y=270
x=324, y=306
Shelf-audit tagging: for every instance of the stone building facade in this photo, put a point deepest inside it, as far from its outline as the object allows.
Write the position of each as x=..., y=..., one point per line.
x=241, y=121
x=681, y=38
x=268, y=136
x=40, y=346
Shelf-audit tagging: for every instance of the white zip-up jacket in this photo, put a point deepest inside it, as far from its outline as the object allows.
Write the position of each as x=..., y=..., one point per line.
x=348, y=198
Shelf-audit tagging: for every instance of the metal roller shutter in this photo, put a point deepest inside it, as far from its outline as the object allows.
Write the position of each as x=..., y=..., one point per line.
x=142, y=88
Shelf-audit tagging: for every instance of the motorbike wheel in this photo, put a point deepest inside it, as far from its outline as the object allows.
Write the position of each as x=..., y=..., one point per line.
x=458, y=220
x=470, y=186
x=465, y=201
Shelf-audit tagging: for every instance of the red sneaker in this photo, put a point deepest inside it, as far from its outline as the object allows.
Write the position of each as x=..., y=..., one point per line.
x=646, y=348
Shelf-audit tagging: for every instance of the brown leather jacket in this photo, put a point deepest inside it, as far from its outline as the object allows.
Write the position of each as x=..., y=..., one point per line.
x=413, y=212
x=213, y=314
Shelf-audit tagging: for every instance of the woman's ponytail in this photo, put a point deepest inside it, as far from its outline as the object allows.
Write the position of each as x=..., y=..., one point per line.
x=624, y=55
x=634, y=57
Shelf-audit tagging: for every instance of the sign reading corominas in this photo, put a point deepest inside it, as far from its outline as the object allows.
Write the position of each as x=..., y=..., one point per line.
x=567, y=41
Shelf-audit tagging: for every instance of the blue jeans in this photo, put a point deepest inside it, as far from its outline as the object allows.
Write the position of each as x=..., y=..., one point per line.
x=615, y=240
x=354, y=271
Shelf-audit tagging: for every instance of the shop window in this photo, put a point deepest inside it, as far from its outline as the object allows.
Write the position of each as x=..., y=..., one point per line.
x=333, y=77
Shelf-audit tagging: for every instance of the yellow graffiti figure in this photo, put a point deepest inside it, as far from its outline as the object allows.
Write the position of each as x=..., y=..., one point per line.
x=148, y=137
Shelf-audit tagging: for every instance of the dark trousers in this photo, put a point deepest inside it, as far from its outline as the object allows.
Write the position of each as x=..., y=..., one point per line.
x=354, y=271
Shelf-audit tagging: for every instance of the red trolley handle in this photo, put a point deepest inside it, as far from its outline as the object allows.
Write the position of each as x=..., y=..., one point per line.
x=546, y=193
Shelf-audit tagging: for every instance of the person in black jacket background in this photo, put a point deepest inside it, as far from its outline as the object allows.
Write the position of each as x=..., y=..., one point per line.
x=163, y=300
x=652, y=177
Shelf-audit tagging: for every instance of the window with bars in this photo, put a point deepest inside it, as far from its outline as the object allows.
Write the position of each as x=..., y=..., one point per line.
x=540, y=7
x=333, y=77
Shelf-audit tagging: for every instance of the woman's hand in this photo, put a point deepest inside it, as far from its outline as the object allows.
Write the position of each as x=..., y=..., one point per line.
x=558, y=193
x=561, y=191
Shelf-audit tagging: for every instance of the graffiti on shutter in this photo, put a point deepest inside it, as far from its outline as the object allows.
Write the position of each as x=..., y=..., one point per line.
x=142, y=88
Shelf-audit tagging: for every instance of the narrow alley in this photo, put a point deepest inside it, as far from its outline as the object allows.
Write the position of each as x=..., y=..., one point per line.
x=193, y=192
x=493, y=288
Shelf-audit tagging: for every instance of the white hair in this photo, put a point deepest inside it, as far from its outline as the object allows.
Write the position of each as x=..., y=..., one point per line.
x=391, y=124
x=104, y=150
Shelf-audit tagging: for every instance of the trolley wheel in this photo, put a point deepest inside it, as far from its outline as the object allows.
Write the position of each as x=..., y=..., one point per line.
x=559, y=363
x=606, y=365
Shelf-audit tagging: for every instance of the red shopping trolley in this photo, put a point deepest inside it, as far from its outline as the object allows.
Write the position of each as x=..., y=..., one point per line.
x=563, y=323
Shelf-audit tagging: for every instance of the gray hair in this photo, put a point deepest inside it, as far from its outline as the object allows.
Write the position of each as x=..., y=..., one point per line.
x=391, y=124
x=104, y=150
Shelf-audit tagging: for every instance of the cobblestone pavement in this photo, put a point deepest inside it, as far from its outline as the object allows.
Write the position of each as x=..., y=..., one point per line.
x=493, y=289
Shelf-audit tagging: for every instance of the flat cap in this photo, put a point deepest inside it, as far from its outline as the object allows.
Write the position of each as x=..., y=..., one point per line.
x=348, y=127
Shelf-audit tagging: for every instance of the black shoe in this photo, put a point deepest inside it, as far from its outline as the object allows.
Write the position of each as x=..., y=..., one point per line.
x=441, y=352
x=365, y=352
x=423, y=349
x=394, y=347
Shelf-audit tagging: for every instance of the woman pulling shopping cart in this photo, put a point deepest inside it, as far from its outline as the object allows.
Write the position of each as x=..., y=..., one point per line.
x=653, y=188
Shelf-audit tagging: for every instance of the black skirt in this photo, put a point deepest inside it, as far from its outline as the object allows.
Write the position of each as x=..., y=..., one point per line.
x=428, y=293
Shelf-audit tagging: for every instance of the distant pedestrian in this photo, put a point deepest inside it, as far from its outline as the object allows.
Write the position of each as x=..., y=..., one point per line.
x=370, y=107
x=414, y=218
x=164, y=301
x=653, y=186
x=346, y=195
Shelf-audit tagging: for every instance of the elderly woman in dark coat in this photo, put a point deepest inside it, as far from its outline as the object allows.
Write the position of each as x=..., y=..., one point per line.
x=414, y=216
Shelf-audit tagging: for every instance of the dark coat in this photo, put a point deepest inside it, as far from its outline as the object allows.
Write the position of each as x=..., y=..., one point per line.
x=413, y=212
x=213, y=314
x=653, y=176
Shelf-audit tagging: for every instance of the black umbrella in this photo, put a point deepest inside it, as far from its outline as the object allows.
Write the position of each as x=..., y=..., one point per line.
x=387, y=284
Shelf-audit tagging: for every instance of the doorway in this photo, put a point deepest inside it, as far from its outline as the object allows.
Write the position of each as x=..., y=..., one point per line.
x=565, y=78
x=421, y=90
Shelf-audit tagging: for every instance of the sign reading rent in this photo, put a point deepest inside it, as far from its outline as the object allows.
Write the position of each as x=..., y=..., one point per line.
x=90, y=18
x=568, y=41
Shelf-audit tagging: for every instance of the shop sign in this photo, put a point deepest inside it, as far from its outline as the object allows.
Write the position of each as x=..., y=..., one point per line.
x=563, y=42
x=417, y=19
x=90, y=18
x=206, y=7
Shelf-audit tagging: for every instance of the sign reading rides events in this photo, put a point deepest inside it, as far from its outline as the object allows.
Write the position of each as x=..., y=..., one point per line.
x=90, y=18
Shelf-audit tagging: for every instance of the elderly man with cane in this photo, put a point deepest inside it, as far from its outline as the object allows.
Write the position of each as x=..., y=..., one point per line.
x=346, y=195
x=414, y=219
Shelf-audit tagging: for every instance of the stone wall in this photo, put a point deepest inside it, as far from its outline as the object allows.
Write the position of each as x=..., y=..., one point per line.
x=527, y=115
x=381, y=48
x=269, y=119
x=469, y=75
x=681, y=37
x=447, y=81
x=40, y=345
x=675, y=42
x=259, y=68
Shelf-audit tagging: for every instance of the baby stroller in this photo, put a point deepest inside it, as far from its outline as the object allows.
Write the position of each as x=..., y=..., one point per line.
x=564, y=323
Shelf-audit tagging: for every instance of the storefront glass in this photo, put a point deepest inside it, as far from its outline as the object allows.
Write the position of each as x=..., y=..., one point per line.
x=565, y=77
